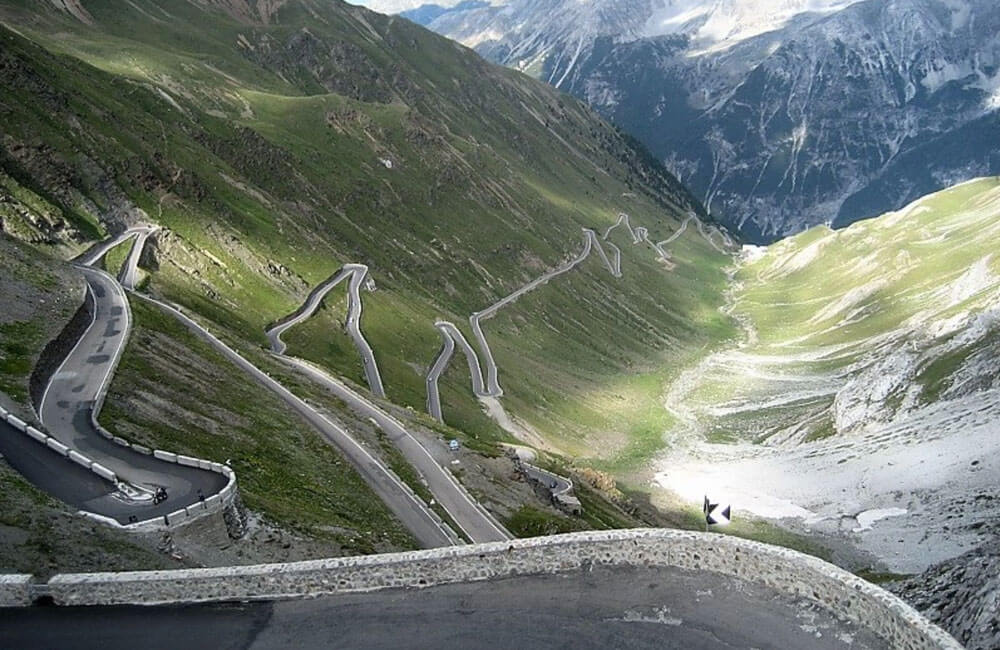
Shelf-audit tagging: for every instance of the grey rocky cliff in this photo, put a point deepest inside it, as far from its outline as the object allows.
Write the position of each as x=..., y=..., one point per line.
x=831, y=117
x=961, y=595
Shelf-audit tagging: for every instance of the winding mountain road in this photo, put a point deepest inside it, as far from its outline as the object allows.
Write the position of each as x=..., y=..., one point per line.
x=477, y=524
x=414, y=514
x=69, y=405
x=75, y=393
x=358, y=274
x=487, y=384
x=62, y=478
x=92, y=256
x=556, y=484
x=129, y=271
x=83, y=377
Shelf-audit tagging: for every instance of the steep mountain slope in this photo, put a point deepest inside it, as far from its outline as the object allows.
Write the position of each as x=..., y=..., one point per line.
x=746, y=101
x=864, y=402
x=277, y=142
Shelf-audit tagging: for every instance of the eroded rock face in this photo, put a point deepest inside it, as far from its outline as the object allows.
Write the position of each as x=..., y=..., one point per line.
x=961, y=595
x=337, y=66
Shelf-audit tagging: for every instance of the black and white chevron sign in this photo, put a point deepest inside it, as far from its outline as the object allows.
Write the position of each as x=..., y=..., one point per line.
x=717, y=513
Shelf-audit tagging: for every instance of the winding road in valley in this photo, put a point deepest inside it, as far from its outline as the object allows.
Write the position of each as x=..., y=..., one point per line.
x=65, y=406
x=486, y=384
x=75, y=393
x=358, y=274
x=73, y=396
x=130, y=270
x=475, y=522
x=414, y=513
x=67, y=411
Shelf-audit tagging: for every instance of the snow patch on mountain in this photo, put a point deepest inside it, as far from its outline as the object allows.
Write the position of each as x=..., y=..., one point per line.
x=398, y=6
x=724, y=22
x=778, y=114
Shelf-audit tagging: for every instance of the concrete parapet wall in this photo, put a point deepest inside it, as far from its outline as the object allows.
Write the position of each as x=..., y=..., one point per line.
x=784, y=570
x=15, y=590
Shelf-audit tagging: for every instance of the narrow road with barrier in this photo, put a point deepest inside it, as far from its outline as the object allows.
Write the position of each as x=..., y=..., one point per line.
x=73, y=397
x=486, y=384
x=429, y=530
x=358, y=274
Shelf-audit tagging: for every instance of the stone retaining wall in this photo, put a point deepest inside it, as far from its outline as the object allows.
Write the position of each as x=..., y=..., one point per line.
x=784, y=570
x=58, y=348
x=15, y=590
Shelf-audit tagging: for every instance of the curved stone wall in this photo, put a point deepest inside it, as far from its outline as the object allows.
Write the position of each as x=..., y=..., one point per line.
x=782, y=569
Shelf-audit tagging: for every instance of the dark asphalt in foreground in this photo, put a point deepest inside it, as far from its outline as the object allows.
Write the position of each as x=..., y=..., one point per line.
x=603, y=608
x=52, y=472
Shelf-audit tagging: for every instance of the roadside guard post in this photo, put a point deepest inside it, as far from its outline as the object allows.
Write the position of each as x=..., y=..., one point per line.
x=716, y=514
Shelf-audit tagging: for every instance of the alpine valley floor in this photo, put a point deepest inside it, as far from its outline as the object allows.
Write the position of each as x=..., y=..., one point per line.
x=862, y=403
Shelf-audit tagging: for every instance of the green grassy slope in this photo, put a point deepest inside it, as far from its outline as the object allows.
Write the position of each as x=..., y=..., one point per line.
x=860, y=325
x=277, y=147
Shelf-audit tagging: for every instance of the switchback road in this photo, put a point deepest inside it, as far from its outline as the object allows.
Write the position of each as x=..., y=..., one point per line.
x=486, y=383
x=67, y=407
x=79, y=382
x=477, y=524
x=413, y=512
x=358, y=273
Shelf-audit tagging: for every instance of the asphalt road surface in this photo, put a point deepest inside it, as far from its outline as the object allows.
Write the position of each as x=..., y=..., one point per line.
x=57, y=475
x=474, y=521
x=130, y=270
x=408, y=508
x=66, y=406
x=357, y=274
x=469, y=515
x=487, y=385
x=600, y=609
x=557, y=484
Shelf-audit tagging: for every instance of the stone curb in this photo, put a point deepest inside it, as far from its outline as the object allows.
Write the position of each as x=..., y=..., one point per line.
x=15, y=590
x=56, y=446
